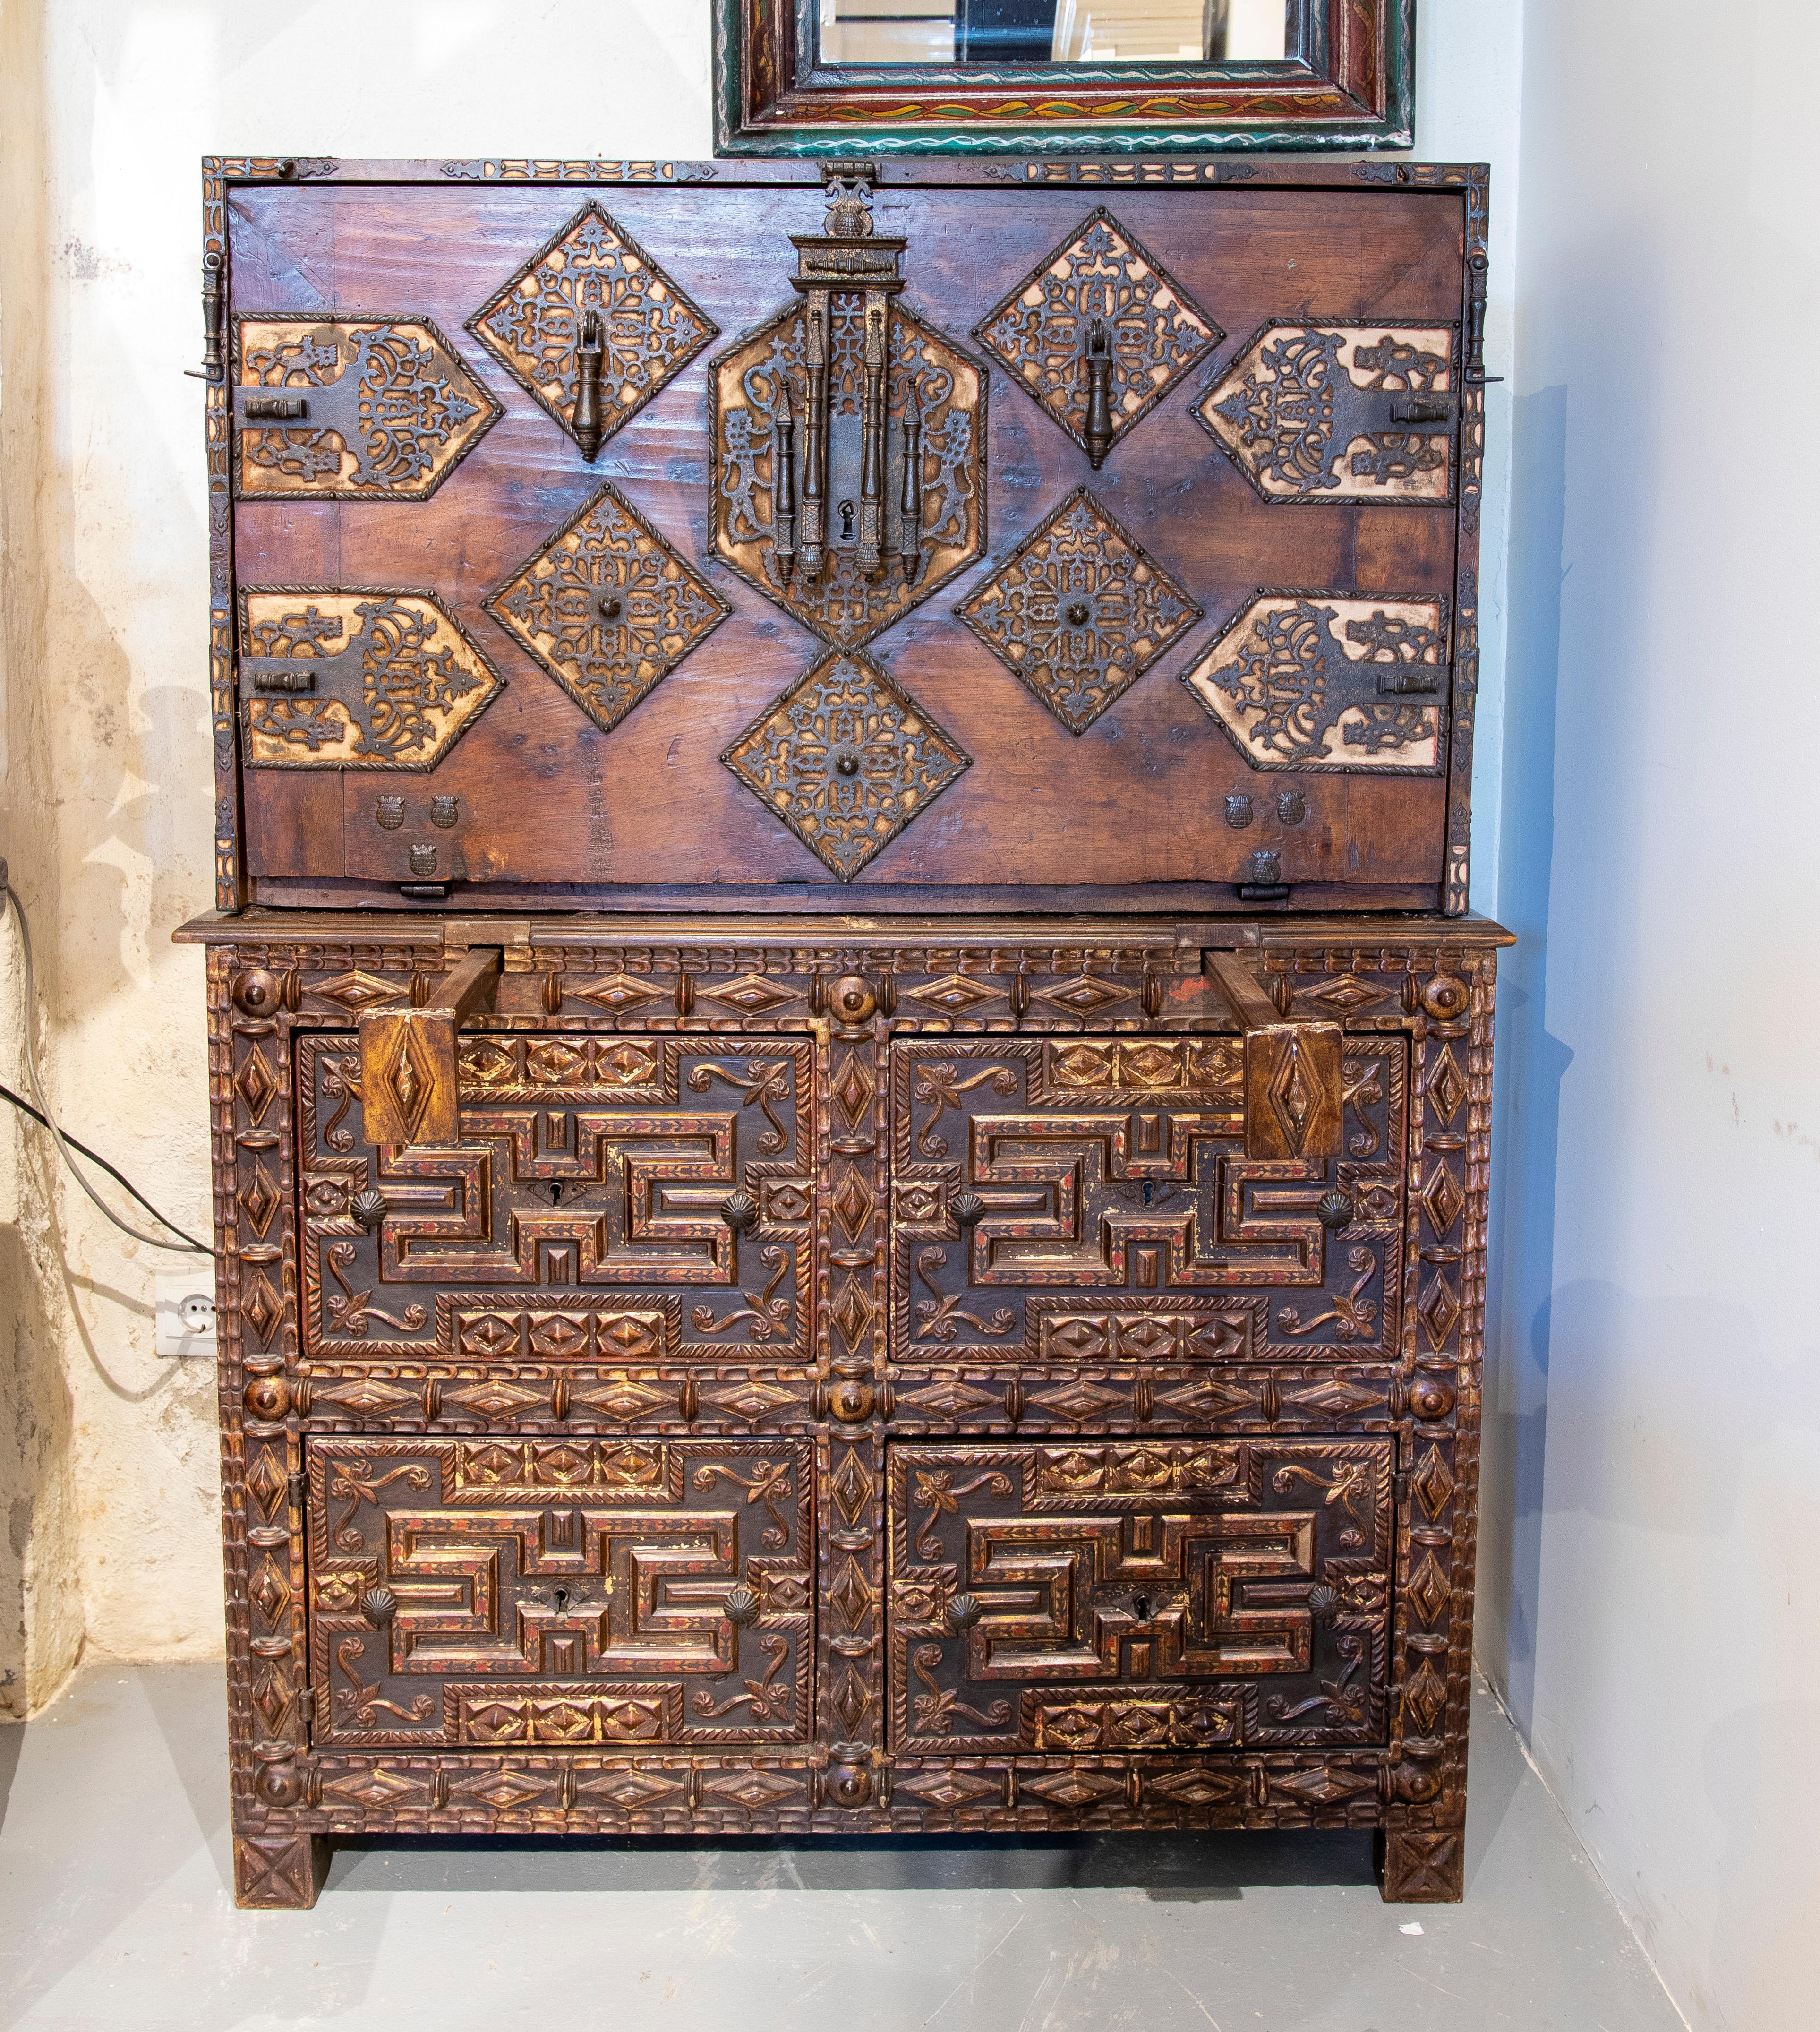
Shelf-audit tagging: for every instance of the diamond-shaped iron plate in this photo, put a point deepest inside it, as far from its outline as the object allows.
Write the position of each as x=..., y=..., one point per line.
x=846, y=760
x=1151, y=331
x=649, y=331
x=1078, y=611
x=607, y=607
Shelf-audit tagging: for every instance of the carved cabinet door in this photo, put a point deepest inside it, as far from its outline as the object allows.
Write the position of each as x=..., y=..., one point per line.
x=630, y=1202
x=1067, y=1201
x=1102, y=1597
x=568, y=1592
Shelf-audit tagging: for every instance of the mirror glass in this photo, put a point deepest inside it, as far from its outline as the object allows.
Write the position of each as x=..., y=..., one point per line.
x=1056, y=31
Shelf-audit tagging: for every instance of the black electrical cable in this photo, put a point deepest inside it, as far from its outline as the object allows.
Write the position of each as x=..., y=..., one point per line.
x=188, y=1246
x=95, y=1157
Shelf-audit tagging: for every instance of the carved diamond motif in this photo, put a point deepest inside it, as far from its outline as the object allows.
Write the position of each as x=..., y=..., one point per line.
x=954, y=992
x=752, y=995
x=497, y=1399
x=410, y=1078
x=946, y=1398
x=272, y=1699
x=259, y=1199
x=374, y=1786
x=615, y=993
x=753, y=1789
x=852, y=1204
x=1078, y=1401
x=1194, y=1788
x=508, y=1789
x=608, y=608
x=625, y=1399
x=648, y=330
x=846, y=760
x=1074, y=1788
x=1425, y=1697
x=1446, y=1087
x=631, y=1788
x=1439, y=1311
x=1082, y=996
x=1344, y=993
x=852, y=1313
x=260, y=1308
x=949, y=1788
x=266, y=1481
x=1149, y=334
x=1323, y=1785
x=853, y=1091
x=356, y=991
x=256, y=1084
x=1432, y=1483
x=752, y=1399
x=851, y=1486
x=1427, y=1592
x=367, y=1398
x=1443, y=1198
x=1294, y=1094
x=270, y=1592
x=1078, y=611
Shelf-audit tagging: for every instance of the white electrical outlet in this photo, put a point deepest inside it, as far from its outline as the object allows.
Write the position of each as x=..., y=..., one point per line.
x=184, y=1301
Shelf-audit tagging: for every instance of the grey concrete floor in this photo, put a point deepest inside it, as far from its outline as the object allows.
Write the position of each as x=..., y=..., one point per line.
x=116, y=1911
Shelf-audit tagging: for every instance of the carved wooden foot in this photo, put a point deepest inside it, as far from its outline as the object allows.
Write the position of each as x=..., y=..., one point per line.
x=279, y=1872
x=1421, y=1866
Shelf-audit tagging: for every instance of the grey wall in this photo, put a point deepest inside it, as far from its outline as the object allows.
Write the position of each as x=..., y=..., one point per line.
x=1653, y=1480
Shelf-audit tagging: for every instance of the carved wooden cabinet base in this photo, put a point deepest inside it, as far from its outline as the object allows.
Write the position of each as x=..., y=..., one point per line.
x=917, y=1376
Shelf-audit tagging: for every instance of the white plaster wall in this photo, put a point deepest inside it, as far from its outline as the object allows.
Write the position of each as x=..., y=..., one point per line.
x=1657, y=1434
x=105, y=795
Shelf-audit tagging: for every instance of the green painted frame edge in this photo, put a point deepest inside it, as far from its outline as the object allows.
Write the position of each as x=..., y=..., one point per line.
x=1394, y=129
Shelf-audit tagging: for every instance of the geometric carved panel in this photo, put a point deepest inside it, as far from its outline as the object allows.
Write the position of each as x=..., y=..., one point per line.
x=1078, y=611
x=1340, y=413
x=592, y=286
x=1098, y=334
x=607, y=607
x=552, y=1592
x=1118, y=1597
x=1322, y=681
x=611, y=1199
x=1084, y=1198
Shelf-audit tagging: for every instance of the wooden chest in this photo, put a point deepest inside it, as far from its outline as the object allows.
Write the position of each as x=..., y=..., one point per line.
x=823, y=1228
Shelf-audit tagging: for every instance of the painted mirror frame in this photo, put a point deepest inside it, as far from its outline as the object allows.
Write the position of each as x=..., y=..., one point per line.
x=1347, y=82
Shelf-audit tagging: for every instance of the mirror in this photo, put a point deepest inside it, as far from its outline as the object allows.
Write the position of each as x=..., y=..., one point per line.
x=1056, y=31
x=1061, y=77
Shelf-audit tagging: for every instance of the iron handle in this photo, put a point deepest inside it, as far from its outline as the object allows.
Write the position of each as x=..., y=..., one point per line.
x=588, y=423
x=1097, y=354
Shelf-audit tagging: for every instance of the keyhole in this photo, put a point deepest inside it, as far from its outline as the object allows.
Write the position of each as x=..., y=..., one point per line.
x=1147, y=1191
x=1142, y=1604
x=556, y=1192
x=559, y=1596
x=847, y=513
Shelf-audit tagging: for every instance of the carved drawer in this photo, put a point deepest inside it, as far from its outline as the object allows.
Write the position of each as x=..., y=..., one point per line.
x=1084, y=1199
x=578, y=1592
x=625, y=1200
x=1117, y=1597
